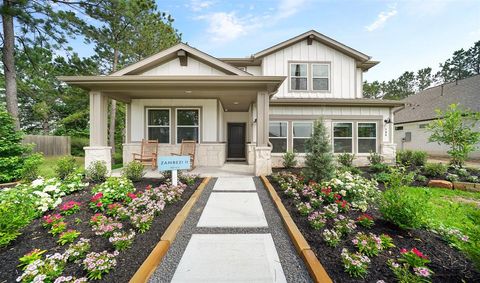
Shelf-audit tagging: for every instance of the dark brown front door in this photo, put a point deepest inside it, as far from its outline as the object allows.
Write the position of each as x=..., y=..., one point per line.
x=236, y=140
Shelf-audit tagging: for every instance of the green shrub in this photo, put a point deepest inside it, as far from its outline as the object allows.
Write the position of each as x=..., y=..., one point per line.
x=353, y=170
x=115, y=189
x=435, y=169
x=289, y=159
x=346, y=159
x=452, y=177
x=382, y=177
x=65, y=167
x=12, y=151
x=404, y=157
x=31, y=167
x=421, y=178
x=399, y=208
x=133, y=171
x=77, y=145
x=319, y=159
x=379, y=167
x=419, y=158
x=472, y=179
x=97, y=171
x=17, y=210
x=374, y=158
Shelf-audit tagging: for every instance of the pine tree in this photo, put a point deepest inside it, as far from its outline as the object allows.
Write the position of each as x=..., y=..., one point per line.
x=319, y=163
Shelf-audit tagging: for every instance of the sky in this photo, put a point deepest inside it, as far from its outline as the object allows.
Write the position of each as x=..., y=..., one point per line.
x=404, y=35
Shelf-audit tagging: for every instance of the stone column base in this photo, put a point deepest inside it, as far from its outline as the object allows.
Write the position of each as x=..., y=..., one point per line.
x=102, y=153
x=263, y=161
x=389, y=152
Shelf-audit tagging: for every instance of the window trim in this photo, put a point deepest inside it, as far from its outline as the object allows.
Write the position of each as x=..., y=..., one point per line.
x=293, y=133
x=309, y=76
x=290, y=76
x=187, y=126
x=367, y=138
x=286, y=135
x=328, y=76
x=147, y=109
x=345, y=138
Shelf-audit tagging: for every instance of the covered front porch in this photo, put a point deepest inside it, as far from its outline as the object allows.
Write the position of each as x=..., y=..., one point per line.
x=228, y=116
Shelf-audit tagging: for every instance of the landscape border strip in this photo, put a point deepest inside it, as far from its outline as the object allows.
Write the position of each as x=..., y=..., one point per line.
x=145, y=271
x=315, y=268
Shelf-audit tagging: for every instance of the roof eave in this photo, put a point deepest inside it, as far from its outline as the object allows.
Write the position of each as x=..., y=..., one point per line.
x=336, y=102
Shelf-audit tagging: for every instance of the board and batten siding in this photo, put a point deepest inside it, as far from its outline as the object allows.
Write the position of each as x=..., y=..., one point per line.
x=346, y=78
x=172, y=67
x=208, y=112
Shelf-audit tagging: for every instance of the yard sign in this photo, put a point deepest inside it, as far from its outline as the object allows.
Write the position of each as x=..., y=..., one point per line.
x=173, y=163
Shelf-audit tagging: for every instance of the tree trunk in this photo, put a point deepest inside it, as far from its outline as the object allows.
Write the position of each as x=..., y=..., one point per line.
x=9, y=64
x=113, y=111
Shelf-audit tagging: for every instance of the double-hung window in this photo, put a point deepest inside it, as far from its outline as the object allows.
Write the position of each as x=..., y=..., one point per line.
x=299, y=76
x=158, y=125
x=302, y=131
x=367, y=137
x=320, y=77
x=343, y=137
x=278, y=136
x=188, y=124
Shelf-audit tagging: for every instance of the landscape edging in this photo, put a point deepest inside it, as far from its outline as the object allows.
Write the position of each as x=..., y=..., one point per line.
x=156, y=255
x=315, y=268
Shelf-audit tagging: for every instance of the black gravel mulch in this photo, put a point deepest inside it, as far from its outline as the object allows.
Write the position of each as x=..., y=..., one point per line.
x=35, y=236
x=447, y=263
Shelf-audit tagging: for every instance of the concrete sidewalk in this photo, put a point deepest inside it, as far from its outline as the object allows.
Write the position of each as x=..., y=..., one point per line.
x=233, y=233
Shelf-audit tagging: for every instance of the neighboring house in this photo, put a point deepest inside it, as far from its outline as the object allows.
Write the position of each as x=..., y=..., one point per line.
x=411, y=122
x=251, y=109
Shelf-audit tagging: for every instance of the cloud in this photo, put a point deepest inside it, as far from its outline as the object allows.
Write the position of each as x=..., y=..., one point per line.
x=198, y=5
x=382, y=19
x=228, y=26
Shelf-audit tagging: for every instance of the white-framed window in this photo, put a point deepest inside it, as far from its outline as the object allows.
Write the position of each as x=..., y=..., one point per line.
x=158, y=124
x=302, y=131
x=298, y=76
x=188, y=124
x=343, y=137
x=278, y=136
x=320, y=77
x=366, y=137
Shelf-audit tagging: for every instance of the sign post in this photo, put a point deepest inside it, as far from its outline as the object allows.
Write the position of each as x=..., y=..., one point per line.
x=173, y=163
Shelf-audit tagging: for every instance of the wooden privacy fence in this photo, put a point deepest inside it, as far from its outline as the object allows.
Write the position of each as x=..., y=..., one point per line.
x=49, y=145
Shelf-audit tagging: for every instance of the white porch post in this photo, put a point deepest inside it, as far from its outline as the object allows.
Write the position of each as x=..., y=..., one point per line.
x=127, y=155
x=263, y=162
x=98, y=149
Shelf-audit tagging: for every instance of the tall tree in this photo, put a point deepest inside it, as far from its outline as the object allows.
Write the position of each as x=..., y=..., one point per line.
x=128, y=30
x=455, y=68
x=473, y=58
x=423, y=79
x=372, y=90
x=27, y=21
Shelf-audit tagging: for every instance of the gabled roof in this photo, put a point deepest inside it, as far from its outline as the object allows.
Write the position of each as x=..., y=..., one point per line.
x=171, y=53
x=422, y=106
x=312, y=34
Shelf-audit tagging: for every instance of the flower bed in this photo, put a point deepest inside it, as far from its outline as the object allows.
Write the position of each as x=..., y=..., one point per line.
x=83, y=241
x=355, y=245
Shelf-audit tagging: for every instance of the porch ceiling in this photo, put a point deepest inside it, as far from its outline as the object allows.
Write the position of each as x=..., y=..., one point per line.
x=235, y=92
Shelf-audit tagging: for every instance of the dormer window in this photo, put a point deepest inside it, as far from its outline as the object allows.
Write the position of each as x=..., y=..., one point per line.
x=309, y=76
x=298, y=76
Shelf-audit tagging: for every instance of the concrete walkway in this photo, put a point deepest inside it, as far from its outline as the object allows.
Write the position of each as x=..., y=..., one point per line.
x=233, y=234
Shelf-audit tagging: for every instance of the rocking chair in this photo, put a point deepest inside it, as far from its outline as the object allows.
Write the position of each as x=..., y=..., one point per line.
x=188, y=148
x=148, y=153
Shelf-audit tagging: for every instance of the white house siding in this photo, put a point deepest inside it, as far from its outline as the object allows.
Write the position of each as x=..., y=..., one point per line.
x=208, y=111
x=343, y=70
x=334, y=113
x=419, y=140
x=171, y=68
x=254, y=70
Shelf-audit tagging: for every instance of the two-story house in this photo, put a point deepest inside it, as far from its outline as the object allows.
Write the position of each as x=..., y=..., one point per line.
x=253, y=109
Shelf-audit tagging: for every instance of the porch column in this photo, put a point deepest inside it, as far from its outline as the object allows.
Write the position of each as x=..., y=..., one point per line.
x=263, y=162
x=98, y=149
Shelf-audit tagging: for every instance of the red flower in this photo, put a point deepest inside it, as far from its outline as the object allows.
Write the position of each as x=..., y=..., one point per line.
x=149, y=187
x=418, y=253
x=131, y=195
x=97, y=197
x=337, y=196
x=99, y=204
x=365, y=216
x=403, y=251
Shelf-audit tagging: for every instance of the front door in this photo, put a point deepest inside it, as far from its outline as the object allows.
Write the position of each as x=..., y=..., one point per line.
x=236, y=141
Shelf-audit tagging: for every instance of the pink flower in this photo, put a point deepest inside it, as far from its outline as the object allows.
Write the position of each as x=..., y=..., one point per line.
x=99, y=204
x=418, y=253
x=403, y=251
x=422, y=271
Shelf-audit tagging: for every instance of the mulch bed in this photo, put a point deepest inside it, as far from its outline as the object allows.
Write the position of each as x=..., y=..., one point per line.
x=448, y=264
x=35, y=236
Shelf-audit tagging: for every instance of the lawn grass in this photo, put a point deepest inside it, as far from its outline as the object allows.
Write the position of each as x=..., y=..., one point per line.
x=47, y=168
x=453, y=209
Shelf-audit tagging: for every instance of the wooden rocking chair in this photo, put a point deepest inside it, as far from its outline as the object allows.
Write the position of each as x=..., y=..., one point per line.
x=188, y=148
x=148, y=153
